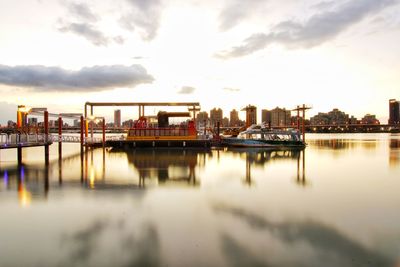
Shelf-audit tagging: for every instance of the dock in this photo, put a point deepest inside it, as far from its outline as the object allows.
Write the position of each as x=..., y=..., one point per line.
x=132, y=144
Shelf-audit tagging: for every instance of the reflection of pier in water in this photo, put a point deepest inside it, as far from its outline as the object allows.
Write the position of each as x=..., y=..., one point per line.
x=394, y=152
x=32, y=181
x=177, y=166
x=260, y=157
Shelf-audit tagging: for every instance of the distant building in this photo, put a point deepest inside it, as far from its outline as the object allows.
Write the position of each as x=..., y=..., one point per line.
x=127, y=124
x=280, y=117
x=201, y=118
x=276, y=117
x=251, y=115
x=117, y=118
x=11, y=124
x=266, y=116
x=225, y=122
x=216, y=116
x=32, y=122
x=234, y=118
x=353, y=120
x=369, y=119
x=394, y=111
x=334, y=117
x=77, y=123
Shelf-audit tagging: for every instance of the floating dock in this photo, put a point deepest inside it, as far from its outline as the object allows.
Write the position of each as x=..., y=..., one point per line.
x=132, y=144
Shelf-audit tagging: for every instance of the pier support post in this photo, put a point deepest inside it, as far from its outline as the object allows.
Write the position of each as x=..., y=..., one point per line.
x=104, y=132
x=298, y=118
x=60, y=124
x=82, y=130
x=46, y=137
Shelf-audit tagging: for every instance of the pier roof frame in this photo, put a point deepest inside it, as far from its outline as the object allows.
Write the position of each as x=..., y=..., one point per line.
x=141, y=105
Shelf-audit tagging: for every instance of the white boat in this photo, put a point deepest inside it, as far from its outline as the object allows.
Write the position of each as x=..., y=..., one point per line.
x=260, y=136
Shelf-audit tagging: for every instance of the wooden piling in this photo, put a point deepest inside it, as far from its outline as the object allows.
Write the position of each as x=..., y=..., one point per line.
x=60, y=123
x=46, y=137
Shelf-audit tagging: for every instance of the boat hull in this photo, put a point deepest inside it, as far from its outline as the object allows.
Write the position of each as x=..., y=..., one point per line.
x=261, y=143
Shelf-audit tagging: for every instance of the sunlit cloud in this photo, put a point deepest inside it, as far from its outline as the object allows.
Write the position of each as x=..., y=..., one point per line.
x=94, y=78
x=82, y=11
x=237, y=10
x=185, y=90
x=144, y=17
x=87, y=31
x=316, y=30
x=81, y=21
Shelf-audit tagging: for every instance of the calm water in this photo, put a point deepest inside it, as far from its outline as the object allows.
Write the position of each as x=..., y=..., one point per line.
x=336, y=204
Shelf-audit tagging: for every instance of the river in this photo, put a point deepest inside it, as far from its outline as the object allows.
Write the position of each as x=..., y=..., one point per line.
x=336, y=203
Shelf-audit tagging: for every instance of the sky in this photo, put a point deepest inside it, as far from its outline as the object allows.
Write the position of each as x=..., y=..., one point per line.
x=230, y=53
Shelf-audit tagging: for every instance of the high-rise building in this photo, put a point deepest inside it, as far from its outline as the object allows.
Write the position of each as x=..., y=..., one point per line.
x=216, y=116
x=117, y=118
x=280, y=117
x=394, y=111
x=225, y=122
x=276, y=117
x=266, y=116
x=251, y=115
x=234, y=118
x=201, y=118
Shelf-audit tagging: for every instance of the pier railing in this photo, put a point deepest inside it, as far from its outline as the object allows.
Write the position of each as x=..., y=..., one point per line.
x=7, y=140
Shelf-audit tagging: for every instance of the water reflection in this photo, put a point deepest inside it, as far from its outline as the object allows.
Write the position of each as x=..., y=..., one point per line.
x=177, y=166
x=30, y=182
x=326, y=242
x=236, y=207
x=83, y=245
x=394, y=152
x=261, y=157
x=343, y=144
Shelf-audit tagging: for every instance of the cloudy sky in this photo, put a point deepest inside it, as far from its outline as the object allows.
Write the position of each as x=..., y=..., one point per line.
x=328, y=54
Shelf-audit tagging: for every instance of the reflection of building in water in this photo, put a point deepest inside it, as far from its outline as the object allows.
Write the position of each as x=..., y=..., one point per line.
x=260, y=157
x=394, y=152
x=343, y=144
x=168, y=165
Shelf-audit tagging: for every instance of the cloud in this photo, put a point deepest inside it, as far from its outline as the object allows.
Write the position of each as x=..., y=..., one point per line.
x=81, y=21
x=145, y=16
x=233, y=90
x=88, y=31
x=119, y=39
x=94, y=78
x=237, y=10
x=185, y=90
x=318, y=29
x=82, y=11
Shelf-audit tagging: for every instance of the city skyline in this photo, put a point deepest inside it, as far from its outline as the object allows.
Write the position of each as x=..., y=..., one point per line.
x=228, y=54
x=278, y=116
